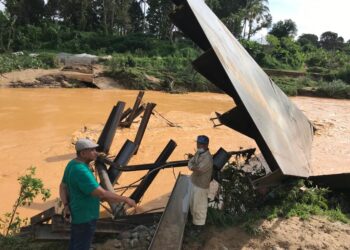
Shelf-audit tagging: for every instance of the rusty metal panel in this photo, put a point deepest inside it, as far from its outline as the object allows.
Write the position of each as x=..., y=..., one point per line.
x=143, y=125
x=282, y=132
x=107, y=135
x=169, y=233
x=335, y=181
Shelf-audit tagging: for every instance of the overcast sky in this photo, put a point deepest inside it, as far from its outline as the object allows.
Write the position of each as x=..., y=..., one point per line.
x=312, y=16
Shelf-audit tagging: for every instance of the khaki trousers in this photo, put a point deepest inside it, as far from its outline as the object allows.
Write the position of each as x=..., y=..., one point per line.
x=199, y=205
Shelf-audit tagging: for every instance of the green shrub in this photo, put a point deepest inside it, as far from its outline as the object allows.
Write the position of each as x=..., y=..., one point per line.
x=17, y=243
x=282, y=53
x=344, y=74
x=334, y=89
x=10, y=62
x=293, y=197
x=132, y=69
x=318, y=58
x=317, y=69
x=255, y=49
x=49, y=60
x=30, y=188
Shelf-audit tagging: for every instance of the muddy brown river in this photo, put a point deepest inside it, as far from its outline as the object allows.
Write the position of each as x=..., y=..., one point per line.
x=38, y=126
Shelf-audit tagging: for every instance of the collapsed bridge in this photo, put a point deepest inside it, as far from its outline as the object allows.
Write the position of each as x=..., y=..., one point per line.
x=262, y=111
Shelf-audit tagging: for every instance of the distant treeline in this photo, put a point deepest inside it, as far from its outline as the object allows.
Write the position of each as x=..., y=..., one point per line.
x=142, y=29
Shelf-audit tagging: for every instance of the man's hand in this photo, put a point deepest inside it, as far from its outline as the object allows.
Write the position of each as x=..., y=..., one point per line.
x=189, y=156
x=130, y=202
x=112, y=197
x=66, y=213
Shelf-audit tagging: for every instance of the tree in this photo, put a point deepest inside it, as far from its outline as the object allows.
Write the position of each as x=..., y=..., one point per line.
x=256, y=17
x=286, y=28
x=308, y=39
x=7, y=31
x=25, y=11
x=214, y=5
x=283, y=53
x=230, y=13
x=158, y=18
x=330, y=41
x=121, y=16
x=136, y=16
x=143, y=3
x=52, y=9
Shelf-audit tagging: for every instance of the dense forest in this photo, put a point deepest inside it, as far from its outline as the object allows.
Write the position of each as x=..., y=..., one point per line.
x=141, y=38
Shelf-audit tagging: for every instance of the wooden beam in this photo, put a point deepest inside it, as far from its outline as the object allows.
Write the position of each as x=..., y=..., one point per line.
x=43, y=216
x=43, y=232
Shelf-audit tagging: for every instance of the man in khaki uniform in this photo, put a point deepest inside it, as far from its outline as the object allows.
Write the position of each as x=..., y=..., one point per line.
x=201, y=164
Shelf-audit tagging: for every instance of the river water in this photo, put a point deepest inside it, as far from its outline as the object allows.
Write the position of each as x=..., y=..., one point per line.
x=38, y=126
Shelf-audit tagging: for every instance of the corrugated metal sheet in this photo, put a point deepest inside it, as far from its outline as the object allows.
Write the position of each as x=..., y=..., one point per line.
x=282, y=132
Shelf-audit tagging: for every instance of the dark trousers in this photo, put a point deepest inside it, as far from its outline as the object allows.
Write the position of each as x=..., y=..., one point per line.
x=81, y=235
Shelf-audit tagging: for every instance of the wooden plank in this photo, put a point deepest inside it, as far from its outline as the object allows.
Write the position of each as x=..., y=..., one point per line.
x=43, y=216
x=102, y=227
x=43, y=232
x=108, y=225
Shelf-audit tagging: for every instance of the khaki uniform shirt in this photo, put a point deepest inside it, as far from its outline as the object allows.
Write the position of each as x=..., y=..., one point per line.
x=202, y=167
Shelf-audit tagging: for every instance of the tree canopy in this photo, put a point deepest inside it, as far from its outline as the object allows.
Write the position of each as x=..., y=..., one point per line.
x=286, y=28
x=331, y=41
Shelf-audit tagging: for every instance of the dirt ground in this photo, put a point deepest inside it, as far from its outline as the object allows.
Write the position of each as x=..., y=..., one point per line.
x=293, y=234
x=59, y=78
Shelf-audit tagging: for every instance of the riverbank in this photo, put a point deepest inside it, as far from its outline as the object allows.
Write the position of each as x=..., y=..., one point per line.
x=161, y=74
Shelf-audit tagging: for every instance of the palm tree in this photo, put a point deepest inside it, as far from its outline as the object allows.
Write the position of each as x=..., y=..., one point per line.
x=256, y=16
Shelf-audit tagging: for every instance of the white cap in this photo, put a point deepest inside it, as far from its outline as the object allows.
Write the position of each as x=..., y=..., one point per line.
x=82, y=144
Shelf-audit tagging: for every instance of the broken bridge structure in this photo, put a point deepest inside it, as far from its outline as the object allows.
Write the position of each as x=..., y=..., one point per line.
x=262, y=111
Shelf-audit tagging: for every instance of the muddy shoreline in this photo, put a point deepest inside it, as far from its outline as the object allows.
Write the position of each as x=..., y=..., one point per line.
x=95, y=77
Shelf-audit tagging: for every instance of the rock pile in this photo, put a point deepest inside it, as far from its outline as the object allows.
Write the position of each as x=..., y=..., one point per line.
x=138, y=238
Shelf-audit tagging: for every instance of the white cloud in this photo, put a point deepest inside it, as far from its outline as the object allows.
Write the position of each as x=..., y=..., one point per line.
x=314, y=16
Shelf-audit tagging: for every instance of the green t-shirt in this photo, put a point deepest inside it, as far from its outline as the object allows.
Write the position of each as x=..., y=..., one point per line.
x=81, y=182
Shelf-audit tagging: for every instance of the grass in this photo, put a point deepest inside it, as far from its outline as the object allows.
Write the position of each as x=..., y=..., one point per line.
x=307, y=86
x=17, y=243
x=173, y=71
x=11, y=62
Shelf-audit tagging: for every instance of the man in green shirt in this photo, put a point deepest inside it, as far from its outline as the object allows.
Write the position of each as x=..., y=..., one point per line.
x=81, y=195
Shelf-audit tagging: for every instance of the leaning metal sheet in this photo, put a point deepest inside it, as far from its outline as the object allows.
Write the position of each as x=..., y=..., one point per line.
x=285, y=130
x=170, y=229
